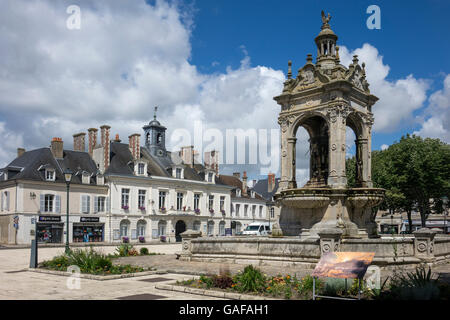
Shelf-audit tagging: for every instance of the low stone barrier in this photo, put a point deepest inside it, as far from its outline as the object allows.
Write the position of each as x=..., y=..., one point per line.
x=421, y=247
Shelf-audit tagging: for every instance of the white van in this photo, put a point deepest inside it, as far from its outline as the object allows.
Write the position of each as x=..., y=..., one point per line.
x=257, y=229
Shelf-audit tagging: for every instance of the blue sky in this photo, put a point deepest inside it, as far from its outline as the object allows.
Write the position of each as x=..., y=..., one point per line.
x=217, y=62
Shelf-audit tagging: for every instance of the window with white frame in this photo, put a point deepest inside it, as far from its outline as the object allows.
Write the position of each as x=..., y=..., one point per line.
x=162, y=200
x=49, y=175
x=85, y=203
x=238, y=207
x=222, y=228
x=85, y=177
x=5, y=201
x=125, y=198
x=141, y=226
x=162, y=228
x=49, y=199
x=196, y=201
x=141, y=168
x=272, y=213
x=124, y=227
x=210, y=230
x=210, y=176
x=50, y=203
x=141, y=199
x=211, y=202
x=196, y=225
x=100, y=204
x=179, y=200
x=222, y=203
x=238, y=192
x=245, y=210
x=253, y=210
x=178, y=173
x=260, y=211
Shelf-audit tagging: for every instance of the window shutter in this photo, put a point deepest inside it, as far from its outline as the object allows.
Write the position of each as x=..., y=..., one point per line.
x=58, y=204
x=42, y=209
x=107, y=204
x=7, y=200
x=83, y=204
x=88, y=204
x=95, y=204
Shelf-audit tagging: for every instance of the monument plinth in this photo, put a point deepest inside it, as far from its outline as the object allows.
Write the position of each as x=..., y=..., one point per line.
x=325, y=98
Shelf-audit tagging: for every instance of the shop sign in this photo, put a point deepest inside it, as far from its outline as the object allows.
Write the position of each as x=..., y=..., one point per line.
x=89, y=219
x=50, y=218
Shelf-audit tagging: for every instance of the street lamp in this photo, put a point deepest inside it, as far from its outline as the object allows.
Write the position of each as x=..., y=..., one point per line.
x=444, y=206
x=67, y=176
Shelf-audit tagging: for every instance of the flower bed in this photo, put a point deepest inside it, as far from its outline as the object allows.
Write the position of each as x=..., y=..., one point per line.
x=89, y=261
x=418, y=285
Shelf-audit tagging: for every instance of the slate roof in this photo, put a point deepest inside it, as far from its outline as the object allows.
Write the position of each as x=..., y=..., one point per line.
x=121, y=162
x=237, y=184
x=32, y=164
x=262, y=188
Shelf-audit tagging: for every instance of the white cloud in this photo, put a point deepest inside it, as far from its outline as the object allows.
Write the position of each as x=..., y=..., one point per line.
x=398, y=98
x=437, y=125
x=384, y=147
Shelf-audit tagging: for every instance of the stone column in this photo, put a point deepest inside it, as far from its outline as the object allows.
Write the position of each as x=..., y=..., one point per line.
x=186, y=238
x=284, y=161
x=291, y=162
x=336, y=175
x=424, y=244
x=330, y=240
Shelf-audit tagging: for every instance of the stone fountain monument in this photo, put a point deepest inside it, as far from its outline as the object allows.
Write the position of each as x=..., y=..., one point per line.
x=325, y=214
x=325, y=98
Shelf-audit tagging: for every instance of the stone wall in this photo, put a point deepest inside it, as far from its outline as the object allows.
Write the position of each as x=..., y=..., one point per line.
x=422, y=247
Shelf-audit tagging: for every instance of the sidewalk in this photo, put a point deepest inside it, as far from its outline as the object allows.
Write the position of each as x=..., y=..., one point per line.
x=82, y=244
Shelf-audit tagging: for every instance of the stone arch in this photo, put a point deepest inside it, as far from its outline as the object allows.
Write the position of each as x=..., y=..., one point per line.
x=358, y=124
x=180, y=227
x=317, y=126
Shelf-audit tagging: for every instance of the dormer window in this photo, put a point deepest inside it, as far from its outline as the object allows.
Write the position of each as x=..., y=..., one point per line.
x=100, y=179
x=238, y=192
x=252, y=194
x=178, y=172
x=49, y=175
x=85, y=177
x=209, y=176
x=141, y=169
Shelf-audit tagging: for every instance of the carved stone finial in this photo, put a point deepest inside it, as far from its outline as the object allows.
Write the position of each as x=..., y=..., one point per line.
x=355, y=59
x=325, y=19
x=337, y=54
x=289, y=69
x=309, y=58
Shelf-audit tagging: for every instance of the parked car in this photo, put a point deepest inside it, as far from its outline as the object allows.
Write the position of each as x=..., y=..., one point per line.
x=257, y=229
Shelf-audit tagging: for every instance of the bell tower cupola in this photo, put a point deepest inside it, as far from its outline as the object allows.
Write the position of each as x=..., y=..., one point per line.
x=327, y=55
x=155, y=137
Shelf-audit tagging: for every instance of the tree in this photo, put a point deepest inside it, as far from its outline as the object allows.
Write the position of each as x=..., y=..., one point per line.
x=414, y=172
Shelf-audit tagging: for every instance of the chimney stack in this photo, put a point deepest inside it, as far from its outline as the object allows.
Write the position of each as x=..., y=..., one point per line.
x=57, y=148
x=79, y=142
x=187, y=155
x=134, y=145
x=211, y=160
x=20, y=152
x=237, y=175
x=244, y=183
x=105, y=144
x=92, y=132
x=270, y=182
x=117, y=139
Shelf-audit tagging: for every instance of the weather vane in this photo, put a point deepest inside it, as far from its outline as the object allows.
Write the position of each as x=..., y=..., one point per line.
x=154, y=115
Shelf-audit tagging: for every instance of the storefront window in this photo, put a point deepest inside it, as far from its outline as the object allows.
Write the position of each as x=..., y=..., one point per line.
x=49, y=233
x=91, y=233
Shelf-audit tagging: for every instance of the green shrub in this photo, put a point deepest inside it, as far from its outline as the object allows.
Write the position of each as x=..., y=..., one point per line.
x=89, y=261
x=124, y=249
x=250, y=280
x=417, y=285
x=207, y=281
x=143, y=251
x=334, y=287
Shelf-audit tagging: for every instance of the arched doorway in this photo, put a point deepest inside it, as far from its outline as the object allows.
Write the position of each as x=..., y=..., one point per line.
x=180, y=227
